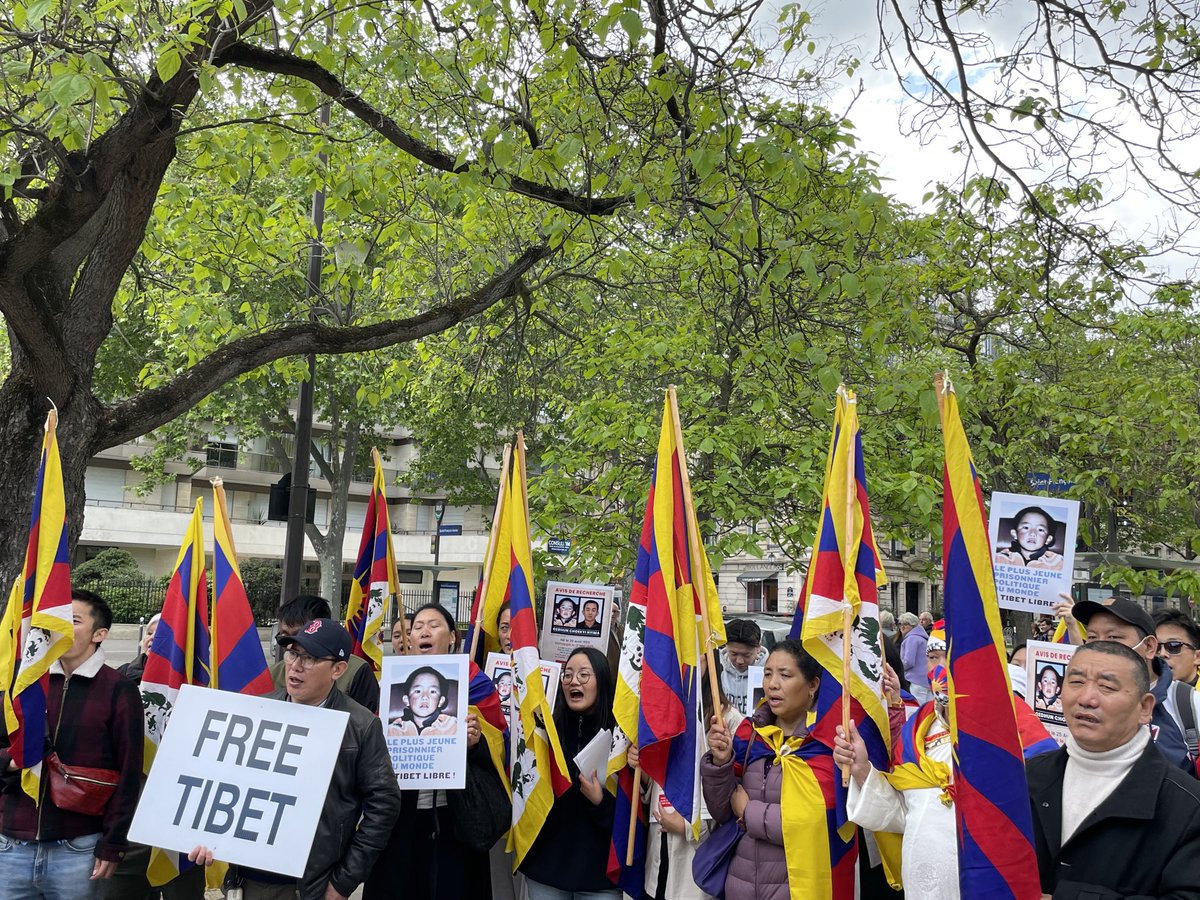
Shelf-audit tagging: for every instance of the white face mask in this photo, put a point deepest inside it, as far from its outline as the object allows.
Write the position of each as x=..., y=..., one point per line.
x=1134, y=648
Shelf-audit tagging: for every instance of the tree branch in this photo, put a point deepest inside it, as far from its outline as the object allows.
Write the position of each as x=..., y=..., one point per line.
x=279, y=62
x=134, y=417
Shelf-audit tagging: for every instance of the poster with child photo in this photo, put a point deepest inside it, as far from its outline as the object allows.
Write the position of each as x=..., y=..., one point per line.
x=499, y=666
x=1033, y=549
x=423, y=701
x=576, y=615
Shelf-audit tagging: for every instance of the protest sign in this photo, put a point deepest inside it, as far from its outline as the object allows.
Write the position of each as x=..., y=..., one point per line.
x=424, y=700
x=1045, y=672
x=576, y=615
x=499, y=668
x=754, y=688
x=1033, y=540
x=244, y=776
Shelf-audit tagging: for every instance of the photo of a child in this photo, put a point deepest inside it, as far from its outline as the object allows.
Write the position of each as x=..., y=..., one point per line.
x=423, y=704
x=1028, y=539
x=565, y=613
x=503, y=681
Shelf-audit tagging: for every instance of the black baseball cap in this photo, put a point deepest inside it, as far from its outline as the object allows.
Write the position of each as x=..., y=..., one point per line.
x=322, y=639
x=1124, y=609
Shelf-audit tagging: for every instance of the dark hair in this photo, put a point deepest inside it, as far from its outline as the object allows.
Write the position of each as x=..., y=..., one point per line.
x=743, y=631
x=600, y=716
x=304, y=608
x=891, y=653
x=445, y=615
x=443, y=684
x=1111, y=648
x=1019, y=645
x=561, y=600
x=1051, y=525
x=101, y=611
x=507, y=673
x=809, y=667
x=595, y=603
x=503, y=606
x=1053, y=671
x=1180, y=620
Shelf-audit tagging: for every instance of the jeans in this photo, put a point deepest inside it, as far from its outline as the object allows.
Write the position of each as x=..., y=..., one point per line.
x=49, y=870
x=539, y=891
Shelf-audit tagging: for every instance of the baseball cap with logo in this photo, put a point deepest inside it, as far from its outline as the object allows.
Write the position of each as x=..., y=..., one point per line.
x=321, y=639
x=1124, y=609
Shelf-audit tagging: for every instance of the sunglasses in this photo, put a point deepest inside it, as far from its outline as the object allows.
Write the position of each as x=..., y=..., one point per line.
x=1175, y=647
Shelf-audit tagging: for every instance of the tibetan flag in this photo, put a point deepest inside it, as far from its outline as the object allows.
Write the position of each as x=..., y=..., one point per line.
x=996, y=855
x=845, y=572
x=658, y=702
x=1061, y=636
x=238, y=663
x=40, y=627
x=375, y=582
x=539, y=769
x=178, y=655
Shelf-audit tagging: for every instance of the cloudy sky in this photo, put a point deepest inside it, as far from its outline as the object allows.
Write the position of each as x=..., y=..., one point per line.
x=912, y=163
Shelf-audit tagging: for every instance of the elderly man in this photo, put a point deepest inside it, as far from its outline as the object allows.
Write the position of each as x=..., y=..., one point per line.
x=1126, y=622
x=1112, y=819
x=363, y=800
x=913, y=642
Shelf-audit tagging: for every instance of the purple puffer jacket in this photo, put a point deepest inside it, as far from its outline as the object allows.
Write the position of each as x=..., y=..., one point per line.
x=759, y=869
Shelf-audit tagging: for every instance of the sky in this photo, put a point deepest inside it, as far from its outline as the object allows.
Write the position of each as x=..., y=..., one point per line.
x=913, y=164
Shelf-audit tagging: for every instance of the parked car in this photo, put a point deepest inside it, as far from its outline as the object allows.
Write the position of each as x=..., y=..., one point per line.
x=775, y=627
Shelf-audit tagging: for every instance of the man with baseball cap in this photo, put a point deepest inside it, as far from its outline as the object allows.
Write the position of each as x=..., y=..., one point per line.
x=362, y=790
x=1126, y=622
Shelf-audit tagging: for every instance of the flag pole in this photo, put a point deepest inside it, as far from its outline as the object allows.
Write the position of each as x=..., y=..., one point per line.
x=943, y=385
x=850, y=564
x=694, y=538
x=390, y=557
x=635, y=800
x=491, y=552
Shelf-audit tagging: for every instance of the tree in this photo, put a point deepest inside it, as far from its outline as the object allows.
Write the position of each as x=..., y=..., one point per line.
x=1092, y=96
x=501, y=137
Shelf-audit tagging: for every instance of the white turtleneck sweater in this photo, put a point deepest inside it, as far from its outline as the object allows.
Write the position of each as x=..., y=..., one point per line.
x=1091, y=776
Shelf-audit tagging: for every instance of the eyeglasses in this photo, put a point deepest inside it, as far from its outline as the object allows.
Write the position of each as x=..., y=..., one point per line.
x=303, y=660
x=1175, y=647
x=577, y=677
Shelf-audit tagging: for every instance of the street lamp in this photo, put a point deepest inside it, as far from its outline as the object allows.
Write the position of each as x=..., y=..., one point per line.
x=439, y=510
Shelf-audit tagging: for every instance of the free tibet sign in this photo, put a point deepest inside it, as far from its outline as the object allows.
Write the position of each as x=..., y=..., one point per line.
x=244, y=776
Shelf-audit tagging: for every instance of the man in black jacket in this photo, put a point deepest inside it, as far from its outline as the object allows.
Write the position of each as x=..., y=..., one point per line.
x=1112, y=819
x=362, y=784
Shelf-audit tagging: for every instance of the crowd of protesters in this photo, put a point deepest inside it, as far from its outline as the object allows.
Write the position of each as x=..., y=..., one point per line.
x=1116, y=811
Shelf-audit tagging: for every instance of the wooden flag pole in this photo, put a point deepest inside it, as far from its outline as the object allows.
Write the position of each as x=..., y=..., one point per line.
x=634, y=802
x=694, y=545
x=490, y=556
x=849, y=559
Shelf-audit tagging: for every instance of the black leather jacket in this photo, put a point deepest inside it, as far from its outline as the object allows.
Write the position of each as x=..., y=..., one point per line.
x=344, y=848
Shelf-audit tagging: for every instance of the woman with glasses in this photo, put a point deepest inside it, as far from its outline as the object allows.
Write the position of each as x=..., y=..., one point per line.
x=425, y=857
x=569, y=858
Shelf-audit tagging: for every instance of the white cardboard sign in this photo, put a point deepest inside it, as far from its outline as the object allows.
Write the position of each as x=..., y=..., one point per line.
x=244, y=776
x=1033, y=549
x=576, y=615
x=499, y=668
x=423, y=700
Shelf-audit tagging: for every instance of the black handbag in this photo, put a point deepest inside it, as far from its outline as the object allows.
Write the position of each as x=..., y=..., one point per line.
x=481, y=813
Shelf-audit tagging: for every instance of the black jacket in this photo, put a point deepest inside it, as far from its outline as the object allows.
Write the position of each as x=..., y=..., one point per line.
x=1142, y=841
x=363, y=782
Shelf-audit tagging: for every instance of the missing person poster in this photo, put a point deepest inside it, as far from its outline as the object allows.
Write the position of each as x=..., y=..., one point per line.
x=1045, y=673
x=576, y=615
x=1033, y=549
x=423, y=702
x=244, y=776
x=499, y=668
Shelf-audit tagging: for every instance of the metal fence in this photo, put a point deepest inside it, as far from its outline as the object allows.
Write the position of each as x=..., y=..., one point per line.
x=414, y=600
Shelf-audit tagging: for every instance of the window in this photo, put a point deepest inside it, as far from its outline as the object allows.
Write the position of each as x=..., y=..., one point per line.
x=222, y=454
